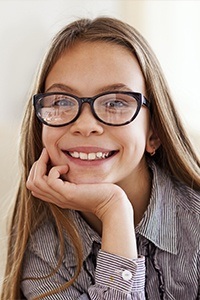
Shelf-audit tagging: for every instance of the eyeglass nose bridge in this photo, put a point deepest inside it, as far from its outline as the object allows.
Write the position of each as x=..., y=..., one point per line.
x=84, y=100
x=88, y=100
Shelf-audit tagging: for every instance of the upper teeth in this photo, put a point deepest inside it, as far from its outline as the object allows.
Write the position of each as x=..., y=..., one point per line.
x=89, y=156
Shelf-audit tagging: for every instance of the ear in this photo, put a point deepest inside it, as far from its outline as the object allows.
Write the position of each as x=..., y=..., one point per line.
x=153, y=142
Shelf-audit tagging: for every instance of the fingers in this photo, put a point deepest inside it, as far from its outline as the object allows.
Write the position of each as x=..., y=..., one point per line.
x=40, y=183
x=38, y=170
x=50, y=187
x=57, y=172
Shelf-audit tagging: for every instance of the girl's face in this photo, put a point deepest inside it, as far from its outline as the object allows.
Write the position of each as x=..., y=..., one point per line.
x=87, y=69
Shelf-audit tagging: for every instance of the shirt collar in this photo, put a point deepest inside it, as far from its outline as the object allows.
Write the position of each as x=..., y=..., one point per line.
x=159, y=221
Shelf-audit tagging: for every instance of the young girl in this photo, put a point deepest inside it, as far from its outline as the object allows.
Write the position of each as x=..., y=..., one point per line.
x=109, y=199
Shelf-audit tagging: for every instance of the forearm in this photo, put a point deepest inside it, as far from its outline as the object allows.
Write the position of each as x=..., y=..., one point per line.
x=118, y=236
x=120, y=274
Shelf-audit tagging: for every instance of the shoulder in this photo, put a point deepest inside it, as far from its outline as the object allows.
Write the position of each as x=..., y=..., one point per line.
x=172, y=190
x=44, y=239
x=46, y=243
x=47, y=240
x=188, y=216
x=188, y=219
x=188, y=199
x=179, y=208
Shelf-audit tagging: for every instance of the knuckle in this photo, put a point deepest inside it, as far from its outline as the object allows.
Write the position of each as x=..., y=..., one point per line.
x=29, y=184
x=37, y=182
x=50, y=181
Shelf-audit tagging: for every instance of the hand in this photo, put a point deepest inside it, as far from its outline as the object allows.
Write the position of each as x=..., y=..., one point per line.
x=105, y=200
x=49, y=187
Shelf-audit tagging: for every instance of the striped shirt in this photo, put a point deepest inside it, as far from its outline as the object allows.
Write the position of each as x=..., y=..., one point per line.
x=168, y=241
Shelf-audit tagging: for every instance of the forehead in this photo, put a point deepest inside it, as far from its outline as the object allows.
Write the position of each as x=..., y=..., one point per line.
x=96, y=64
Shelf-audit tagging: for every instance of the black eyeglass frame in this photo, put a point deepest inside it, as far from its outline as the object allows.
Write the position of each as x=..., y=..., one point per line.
x=140, y=98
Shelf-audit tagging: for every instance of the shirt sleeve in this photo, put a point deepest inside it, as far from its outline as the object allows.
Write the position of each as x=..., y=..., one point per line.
x=115, y=278
x=118, y=278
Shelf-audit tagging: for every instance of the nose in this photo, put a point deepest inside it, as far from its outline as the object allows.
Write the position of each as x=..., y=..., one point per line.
x=86, y=124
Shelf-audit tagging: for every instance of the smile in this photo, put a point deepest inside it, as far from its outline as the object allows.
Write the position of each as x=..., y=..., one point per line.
x=91, y=156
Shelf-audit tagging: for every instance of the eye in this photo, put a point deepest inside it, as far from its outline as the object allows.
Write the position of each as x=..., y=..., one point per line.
x=116, y=104
x=64, y=102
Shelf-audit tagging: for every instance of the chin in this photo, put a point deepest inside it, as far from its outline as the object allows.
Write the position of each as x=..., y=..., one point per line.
x=83, y=179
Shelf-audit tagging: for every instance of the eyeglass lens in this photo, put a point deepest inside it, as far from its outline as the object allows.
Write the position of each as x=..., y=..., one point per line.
x=115, y=108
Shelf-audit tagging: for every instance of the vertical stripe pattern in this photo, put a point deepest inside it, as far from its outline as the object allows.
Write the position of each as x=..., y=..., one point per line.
x=168, y=241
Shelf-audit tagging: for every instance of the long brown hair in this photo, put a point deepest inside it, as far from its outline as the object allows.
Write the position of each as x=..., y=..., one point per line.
x=175, y=154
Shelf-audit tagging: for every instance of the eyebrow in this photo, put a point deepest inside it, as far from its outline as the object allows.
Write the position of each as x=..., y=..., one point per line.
x=116, y=87
x=60, y=86
x=111, y=87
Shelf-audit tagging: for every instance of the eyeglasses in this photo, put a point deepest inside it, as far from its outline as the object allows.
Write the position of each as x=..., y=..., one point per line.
x=58, y=109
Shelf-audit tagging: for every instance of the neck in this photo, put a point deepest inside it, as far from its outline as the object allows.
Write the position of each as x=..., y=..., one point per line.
x=138, y=191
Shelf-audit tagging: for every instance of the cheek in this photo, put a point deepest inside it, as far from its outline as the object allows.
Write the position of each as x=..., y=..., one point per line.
x=46, y=137
x=51, y=135
x=135, y=142
x=50, y=138
x=135, y=137
x=136, y=132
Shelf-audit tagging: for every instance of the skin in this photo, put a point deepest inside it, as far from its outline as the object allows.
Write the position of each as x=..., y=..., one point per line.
x=102, y=189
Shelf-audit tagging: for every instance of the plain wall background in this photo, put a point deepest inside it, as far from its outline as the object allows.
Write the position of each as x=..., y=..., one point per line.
x=26, y=28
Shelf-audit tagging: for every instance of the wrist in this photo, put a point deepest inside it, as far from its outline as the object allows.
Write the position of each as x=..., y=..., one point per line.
x=118, y=233
x=113, y=205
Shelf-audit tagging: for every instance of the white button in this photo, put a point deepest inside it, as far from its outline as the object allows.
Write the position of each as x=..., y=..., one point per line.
x=126, y=275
